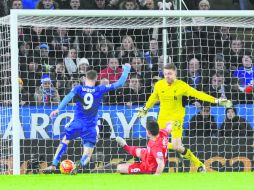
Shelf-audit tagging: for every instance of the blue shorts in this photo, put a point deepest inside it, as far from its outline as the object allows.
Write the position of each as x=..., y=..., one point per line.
x=77, y=128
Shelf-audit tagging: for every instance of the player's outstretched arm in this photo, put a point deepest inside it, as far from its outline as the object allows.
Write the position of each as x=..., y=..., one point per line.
x=124, y=76
x=160, y=166
x=224, y=102
x=64, y=102
x=205, y=97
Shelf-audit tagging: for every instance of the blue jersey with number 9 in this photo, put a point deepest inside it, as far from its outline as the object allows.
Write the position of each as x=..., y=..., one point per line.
x=88, y=100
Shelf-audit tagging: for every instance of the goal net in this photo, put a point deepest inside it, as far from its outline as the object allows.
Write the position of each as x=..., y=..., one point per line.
x=212, y=54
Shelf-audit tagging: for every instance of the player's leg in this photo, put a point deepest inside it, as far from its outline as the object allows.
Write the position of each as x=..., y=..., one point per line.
x=133, y=150
x=61, y=149
x=177, y=146
x=123, y=168
x=88, y=135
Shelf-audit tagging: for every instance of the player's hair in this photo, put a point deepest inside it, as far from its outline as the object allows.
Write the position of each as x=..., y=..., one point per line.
x=153, y=127
x=91, y=75
x=170, y=66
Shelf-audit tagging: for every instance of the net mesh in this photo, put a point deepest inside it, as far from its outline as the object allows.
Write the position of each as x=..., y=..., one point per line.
x=5, y=99
x=207, y=52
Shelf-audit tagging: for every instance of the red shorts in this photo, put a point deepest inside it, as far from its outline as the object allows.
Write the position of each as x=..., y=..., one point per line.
x=138, y=168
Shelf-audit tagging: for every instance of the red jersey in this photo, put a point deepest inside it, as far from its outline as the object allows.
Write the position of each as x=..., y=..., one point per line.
x=111, y=75
x=155, y=149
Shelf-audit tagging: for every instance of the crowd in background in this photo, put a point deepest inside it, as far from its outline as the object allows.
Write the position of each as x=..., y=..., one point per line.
x=216, y=60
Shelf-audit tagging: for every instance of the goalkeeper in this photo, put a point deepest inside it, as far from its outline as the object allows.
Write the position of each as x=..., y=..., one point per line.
x=170, y=92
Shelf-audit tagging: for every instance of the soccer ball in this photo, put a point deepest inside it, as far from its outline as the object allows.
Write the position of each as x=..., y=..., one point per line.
x=66, y=166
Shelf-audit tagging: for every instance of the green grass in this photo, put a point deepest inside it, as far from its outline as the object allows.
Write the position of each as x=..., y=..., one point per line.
x=170, y=181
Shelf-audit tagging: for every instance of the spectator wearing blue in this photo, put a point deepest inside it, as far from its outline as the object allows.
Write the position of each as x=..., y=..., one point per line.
x=47, y=4
x=29, y=4
x=46, y=94
x=245, y=73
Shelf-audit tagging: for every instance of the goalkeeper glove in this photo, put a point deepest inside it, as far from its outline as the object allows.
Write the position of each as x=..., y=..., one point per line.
x=224, y=102
x=142, y=111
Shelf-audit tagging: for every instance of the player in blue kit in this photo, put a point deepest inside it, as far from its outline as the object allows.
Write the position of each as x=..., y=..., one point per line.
x=88, y=99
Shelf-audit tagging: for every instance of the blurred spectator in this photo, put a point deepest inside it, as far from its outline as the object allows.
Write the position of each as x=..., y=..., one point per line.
x=75, y=4
x=23, y=94
x=31, y=76
x=200, y=40
x=168, y=5
x=138, y=67
x=60, y=80
x=104, y=52
x=135, y=93
x=152, y=55
x=46, y=62
x=241, y=96
x=63, y=4
x=3, y=11
x=128, y=50
x=46, y=94
x=218, y=89
x=112, y=72
x=203, y=124
x=233, y=54
x=149, y=5
x=36, y=35
x=100, y=4
x=88, y=38
x=217, y=66
x=112, y=97
x=71, y=62
x=61, y=42
x=245, y=73
x=114, y=4
x=47, y=4
x=204, y=5
x=25, y=49
x=157, y=69
x=16, y=4
x=129, y=5
x=192, y=75
x=234, y=125
x=83, y=66
x=223, y=41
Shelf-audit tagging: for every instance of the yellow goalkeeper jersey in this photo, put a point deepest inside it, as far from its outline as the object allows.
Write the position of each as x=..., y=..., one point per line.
x=171, y=99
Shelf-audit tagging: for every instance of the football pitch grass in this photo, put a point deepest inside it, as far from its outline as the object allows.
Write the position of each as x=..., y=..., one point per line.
x=170, y=181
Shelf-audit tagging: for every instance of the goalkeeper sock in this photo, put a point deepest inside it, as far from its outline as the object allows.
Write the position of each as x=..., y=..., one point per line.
x=190, y=156
x=59, y=153
x=84, y=160
x=131, y=150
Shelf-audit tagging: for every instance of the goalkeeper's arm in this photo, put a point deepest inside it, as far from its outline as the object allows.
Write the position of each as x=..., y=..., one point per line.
x=150, y=103
x=205, y=97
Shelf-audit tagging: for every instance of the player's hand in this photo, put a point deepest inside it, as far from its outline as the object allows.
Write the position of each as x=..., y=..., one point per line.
x=169, y=126
x=224, y=102
x=127, y=67
x=142, y=111
x=54, y=113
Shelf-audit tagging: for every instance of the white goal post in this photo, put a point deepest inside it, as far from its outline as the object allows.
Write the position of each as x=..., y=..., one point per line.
x=66, y=18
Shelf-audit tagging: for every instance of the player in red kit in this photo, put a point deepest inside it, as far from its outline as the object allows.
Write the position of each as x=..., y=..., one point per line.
x=153, y=158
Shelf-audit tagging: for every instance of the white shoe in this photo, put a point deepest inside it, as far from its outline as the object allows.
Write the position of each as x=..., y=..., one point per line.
x=202, y=169
x=120, y=141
